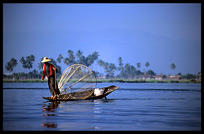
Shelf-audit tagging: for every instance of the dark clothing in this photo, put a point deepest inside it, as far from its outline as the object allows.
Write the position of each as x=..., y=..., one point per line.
x=51, y=84
x=49, y=72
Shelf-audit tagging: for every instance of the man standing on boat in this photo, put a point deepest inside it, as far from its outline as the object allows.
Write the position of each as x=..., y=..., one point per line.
x=49, y=70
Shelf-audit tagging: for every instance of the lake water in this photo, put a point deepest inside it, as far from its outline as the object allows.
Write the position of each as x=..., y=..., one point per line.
x=134, y=106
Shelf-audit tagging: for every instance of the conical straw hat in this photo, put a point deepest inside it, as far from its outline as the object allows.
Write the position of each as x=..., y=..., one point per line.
x=45, y=59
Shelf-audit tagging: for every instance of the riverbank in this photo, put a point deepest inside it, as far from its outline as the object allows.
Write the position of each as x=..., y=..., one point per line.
x=110, y=81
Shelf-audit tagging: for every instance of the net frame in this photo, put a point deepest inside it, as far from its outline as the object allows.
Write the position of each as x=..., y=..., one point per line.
x=66, y=82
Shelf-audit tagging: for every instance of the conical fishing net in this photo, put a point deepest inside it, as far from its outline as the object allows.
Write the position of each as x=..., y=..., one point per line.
x=78, y=80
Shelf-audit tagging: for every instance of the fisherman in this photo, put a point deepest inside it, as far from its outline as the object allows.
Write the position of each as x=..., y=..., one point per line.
x=49, y=71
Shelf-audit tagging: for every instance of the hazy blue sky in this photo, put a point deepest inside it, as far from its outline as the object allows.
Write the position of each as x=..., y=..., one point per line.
x=158, y=33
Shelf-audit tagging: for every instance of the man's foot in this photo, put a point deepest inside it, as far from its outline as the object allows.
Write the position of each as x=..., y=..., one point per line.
x=54, y=97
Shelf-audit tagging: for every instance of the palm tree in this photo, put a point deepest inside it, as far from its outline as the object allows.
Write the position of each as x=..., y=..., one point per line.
x=11, y=64
x=108, y=67
x=66, y=61
x=71, y=56
x=95, y=55
x=88, y=61
x=30, y=60
x=111, y=70
x=60, y=57
x=91, y=58
x=23, y=62
x=79, y=53
x=9, y=67
x=147, y=64
x=173, y=66
x=120, y=67
x=138, y=65
x=70, y=59
x=82, y=60
x=40, y=65
x=28, y=63
x=130, y=71
x=101, y=63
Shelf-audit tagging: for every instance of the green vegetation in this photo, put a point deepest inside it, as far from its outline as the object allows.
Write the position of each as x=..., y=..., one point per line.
x=11, y=64
x=125, y=72
x=28, y=63
x=79, y=58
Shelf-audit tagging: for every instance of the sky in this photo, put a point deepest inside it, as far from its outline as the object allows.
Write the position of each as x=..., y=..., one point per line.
x=161, y=34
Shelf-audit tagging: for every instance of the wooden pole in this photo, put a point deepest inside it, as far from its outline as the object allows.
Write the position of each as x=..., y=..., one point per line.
x=55, y=84
x=55, y=79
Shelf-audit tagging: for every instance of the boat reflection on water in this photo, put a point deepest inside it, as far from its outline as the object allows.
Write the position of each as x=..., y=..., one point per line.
x=49, y=110
x=49, y=124
x=51, y=106
x=70, y=115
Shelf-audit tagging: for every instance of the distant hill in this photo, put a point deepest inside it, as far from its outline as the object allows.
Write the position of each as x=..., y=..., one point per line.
x=132, y=45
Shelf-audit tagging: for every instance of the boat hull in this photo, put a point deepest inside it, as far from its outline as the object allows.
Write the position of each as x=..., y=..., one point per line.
x=89, y=95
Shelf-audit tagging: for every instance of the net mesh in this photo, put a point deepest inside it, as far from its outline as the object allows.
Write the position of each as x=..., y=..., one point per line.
x=77, y=78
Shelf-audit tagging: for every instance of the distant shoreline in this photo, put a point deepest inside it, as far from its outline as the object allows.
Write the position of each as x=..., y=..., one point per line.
x=111, y=81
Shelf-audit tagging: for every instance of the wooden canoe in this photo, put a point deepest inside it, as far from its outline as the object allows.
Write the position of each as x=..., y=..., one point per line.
x=89, y=95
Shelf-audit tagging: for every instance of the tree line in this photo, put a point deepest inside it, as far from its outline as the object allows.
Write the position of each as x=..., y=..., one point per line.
x=126, y=71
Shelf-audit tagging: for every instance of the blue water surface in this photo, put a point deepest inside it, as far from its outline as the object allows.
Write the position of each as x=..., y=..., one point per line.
x=134, y=106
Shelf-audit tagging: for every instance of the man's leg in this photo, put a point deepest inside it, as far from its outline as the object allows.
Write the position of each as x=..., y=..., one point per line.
x=53, y=87
x=50, y=87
